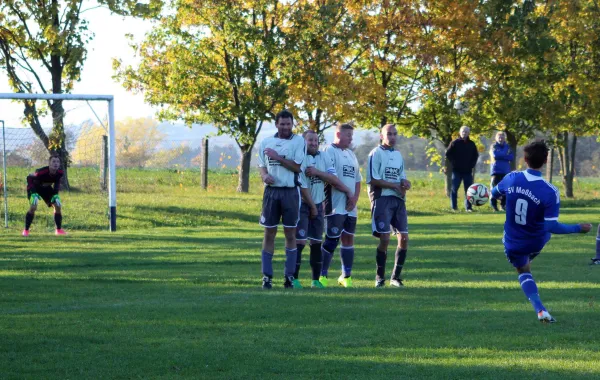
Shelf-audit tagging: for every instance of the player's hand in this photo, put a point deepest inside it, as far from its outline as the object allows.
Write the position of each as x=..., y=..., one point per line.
x=268, y=179
x=351, y=203
x=405, y=184
x=311, y=171
x=34, y=199
x=313, y=211
x=56, y=200
x=585, y=227
x=272, y=153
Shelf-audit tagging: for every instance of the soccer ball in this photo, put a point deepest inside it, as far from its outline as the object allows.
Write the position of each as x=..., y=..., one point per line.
x=478, y=194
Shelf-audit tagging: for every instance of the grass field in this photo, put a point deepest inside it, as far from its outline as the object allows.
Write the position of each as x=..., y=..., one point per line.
x=175, y=293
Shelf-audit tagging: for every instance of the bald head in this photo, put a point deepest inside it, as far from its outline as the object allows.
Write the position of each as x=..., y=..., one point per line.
x=388, y=135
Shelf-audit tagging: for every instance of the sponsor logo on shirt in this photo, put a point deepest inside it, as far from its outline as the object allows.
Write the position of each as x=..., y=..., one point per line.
x=273, y=162
x=315, y=180
x=349, y=171
x=392, y=174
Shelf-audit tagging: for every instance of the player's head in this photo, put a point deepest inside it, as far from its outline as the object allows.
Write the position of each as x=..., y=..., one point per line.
x=464, y=132
x=54, y=162
x=388, y=135
x=536, y=154
x=343, y=135
x=500, y=137
x=312, y=141
x=284, y=121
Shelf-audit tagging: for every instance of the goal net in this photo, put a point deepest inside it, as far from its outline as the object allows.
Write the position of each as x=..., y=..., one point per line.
x=89, y=201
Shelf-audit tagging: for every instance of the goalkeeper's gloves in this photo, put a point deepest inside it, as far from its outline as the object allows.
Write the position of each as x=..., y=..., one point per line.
x=56, y=200
x=33, y=199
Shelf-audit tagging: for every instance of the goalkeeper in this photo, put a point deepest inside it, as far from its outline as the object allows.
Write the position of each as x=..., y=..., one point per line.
x=45, y=184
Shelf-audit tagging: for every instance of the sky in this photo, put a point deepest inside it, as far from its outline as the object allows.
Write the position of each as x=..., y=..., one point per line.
x=96, y=78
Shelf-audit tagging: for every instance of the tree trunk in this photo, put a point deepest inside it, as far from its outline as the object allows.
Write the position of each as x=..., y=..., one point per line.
x=512, y=141
x=566, y=155
x=550, y=165
x=448, y=178
x=57, y=140
x=244, y=174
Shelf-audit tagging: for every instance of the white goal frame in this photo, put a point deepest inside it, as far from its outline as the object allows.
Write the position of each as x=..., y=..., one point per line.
x=112, y=167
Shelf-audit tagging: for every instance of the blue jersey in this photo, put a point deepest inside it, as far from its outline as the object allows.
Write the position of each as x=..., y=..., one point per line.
x=530, y=201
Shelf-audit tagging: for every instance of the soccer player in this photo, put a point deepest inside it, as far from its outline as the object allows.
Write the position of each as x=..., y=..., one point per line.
x=317, y=169
x=387, y=183
x=341, y=223
x=45, y=184
x=532, y=208
x=462, y=154
x=501, y=157
x=279, y=158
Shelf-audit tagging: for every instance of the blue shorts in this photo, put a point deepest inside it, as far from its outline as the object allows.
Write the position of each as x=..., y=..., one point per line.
x=518, y=259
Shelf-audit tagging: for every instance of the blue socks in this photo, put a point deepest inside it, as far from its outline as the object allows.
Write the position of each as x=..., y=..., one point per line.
x=347, y=255
x=597, y=248
x=267, y=263
x=531, y=291
x=327, y=249
x=291, y=256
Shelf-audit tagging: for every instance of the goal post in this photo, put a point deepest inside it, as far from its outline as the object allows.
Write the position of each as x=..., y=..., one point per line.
x=112, y=174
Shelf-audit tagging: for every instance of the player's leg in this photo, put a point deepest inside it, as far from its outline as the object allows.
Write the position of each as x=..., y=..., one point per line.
x=58, y=216
x=400, y=228
x=456, y=179
x=290, y=205
x=301, y=237
x=33, y=198
x=315, y=238
x=467, y=182
x=528, y=285
x=347, y=251
x=382, y=211
x=333, y=231
x=494, y=201
x=269, y=219
x=596, y=260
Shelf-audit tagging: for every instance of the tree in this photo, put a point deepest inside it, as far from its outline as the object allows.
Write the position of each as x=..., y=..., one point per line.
x=214, y=62
x=43, y=49
x=573, y=67
x=320, y=46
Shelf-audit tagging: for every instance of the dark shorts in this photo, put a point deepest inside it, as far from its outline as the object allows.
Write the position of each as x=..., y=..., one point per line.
x=311, y=229
x=45, y=192
x=336, y=224
x=518, y=259
x=280, y=204
x=388, y=215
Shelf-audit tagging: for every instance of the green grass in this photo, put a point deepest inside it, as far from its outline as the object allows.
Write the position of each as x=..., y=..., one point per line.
x=175, y=293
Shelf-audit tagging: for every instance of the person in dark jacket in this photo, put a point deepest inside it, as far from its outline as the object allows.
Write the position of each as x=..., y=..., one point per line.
x=501, y=156
x=462, y=154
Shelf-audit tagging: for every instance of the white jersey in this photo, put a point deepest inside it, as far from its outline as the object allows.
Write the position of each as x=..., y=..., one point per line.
x=386, y=164
x=346, y=166
x=292, y=148
x=322, y=162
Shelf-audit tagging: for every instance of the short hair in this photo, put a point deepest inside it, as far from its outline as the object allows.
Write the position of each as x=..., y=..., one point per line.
x=387, y=126
x=344, y=126
x=536, y=153
x=284, y=114
x=464, y=127
x=307, y=132
x=54, y=155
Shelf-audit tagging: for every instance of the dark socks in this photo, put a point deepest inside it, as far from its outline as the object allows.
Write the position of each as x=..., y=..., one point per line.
x=316, y=260
x=381, y=259
x=347, y=255
x=58, y=221
x=267, y=264
x=399, y=262
x=597, y=247
x=28, y=220
x=299, y=248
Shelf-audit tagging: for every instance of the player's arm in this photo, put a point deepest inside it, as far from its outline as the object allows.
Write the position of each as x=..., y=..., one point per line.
x=500, y=189
x=551, y=223
x=307, y=198
x=291, y=165
x=265, y=176
x=330, y=177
